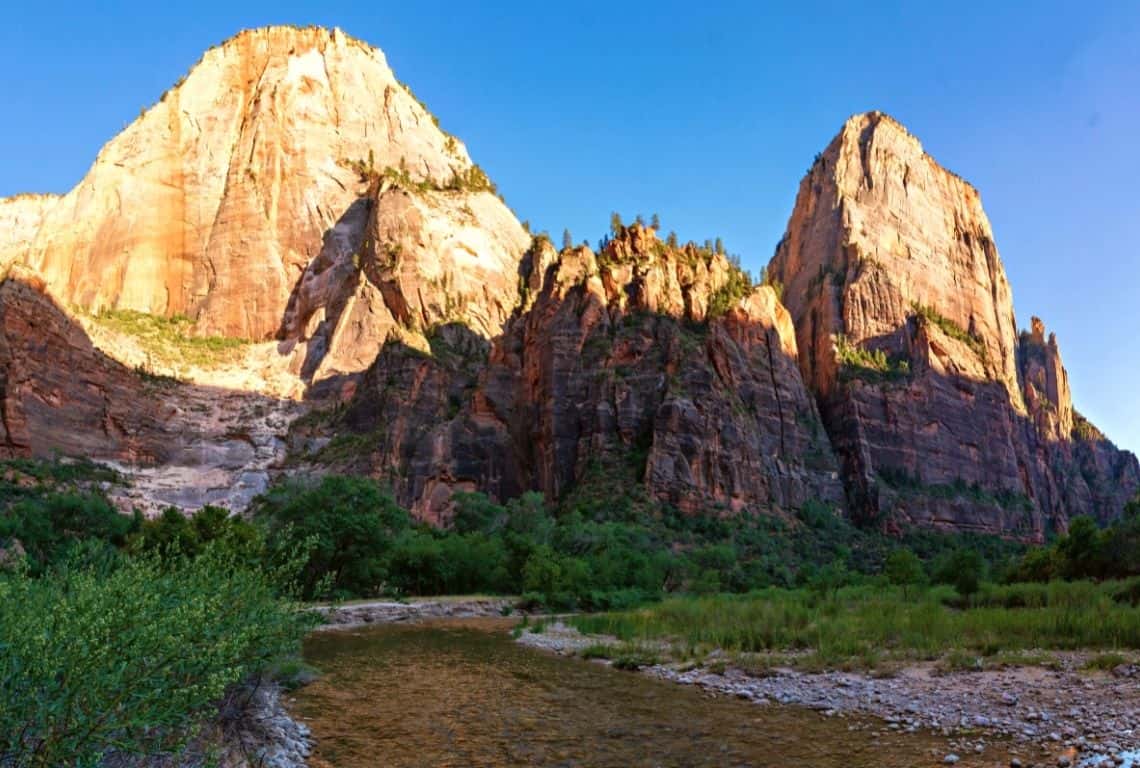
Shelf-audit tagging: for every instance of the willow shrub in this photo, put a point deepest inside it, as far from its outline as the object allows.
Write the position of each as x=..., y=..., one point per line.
x=131, y=659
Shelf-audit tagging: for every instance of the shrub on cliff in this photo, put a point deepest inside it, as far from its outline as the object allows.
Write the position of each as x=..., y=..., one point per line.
x=736, y=287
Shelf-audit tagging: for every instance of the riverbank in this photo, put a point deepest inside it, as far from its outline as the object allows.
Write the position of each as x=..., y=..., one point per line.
x=1063, y=714
x=252, y=730
x=363, y=613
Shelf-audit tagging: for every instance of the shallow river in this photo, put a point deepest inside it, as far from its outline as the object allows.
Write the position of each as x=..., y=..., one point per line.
x=462, y=693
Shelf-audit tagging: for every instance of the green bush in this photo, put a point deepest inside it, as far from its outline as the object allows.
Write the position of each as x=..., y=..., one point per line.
x=951, y=329
x=904, y=569
x=856, y=362
x=1086, y=552
x=131, y=660
x=736, y=287
x=50, y=525
x=346, y=525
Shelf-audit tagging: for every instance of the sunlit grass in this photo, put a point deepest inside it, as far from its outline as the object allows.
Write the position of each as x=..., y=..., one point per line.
x=861, y=626
x=171, y=339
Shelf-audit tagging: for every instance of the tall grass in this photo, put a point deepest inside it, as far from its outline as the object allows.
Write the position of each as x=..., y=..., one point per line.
x=866, y=621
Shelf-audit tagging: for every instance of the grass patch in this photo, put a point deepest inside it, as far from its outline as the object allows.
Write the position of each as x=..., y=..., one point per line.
x=171, y=339
x=861, y=626
x=597, y=651
x=1106, y=662
x=632, y=658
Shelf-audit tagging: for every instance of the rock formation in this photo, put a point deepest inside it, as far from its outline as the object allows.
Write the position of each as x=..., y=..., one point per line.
x=288, y=188
x=940, y=413
x=59, y=393
x=183, y=444
x=20, y=219
x=290, y=193
x=405, y=256
x=246, y=177
x=642, y=355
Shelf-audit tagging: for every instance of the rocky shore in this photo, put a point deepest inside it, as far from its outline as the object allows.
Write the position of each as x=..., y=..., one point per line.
x=1063, y=715
x=252, y=730
x=389, y=611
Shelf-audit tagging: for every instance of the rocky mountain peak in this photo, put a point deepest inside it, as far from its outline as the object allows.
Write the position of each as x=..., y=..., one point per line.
x=941, y=413
x=636, y=270
x=232, y=179
x=881, y=233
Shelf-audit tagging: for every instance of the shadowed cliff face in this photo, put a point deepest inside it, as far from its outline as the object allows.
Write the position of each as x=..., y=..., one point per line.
x=612, y=358
x=182, y=444
x=942, y=415
x=57, y=392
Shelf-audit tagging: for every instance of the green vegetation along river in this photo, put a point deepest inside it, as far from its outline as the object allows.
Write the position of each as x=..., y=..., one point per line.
x=462, y=693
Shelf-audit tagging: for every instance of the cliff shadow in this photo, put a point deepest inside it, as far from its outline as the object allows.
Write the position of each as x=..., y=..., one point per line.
x=181, y=443
x=924, y=445
x=326, y=286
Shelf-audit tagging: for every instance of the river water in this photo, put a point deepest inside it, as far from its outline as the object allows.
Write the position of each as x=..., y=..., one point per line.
x=462, y=693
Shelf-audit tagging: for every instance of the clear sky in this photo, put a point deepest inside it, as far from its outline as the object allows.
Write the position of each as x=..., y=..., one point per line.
x=706, y=113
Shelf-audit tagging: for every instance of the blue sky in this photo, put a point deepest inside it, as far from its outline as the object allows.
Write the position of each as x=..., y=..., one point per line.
x=707, y=114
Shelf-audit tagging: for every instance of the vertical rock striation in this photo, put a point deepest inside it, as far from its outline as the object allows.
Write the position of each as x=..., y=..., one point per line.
x=942, y=415
x=218, y=199
x=641, y=356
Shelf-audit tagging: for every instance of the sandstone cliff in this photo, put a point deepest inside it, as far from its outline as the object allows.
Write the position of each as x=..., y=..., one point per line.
x=406, y=256
x=290, y=221
x=180, y=443
x=941, y=414
x=59, y=393
x=242, y=180
x=643, y=355
x=20, y=219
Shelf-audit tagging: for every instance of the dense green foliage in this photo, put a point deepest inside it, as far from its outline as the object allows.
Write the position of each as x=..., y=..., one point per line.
x=122, y=634
x=133, y=657
x=351, y=524
x=1087, y=552
x=605, y=545
x=53, y=526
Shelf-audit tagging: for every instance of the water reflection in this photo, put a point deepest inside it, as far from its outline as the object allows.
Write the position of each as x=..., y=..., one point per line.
x=463, y=694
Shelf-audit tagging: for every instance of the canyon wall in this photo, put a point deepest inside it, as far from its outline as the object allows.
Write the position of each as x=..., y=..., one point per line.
x=291, y=196
x=942, y=414
x=643, y=356
x=224, y=198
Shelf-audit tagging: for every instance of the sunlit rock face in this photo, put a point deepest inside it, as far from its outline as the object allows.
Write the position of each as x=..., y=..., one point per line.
x=632, y=364
x=942, y=415
x=215, y=201
x=404, y=259
x=288, y=192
